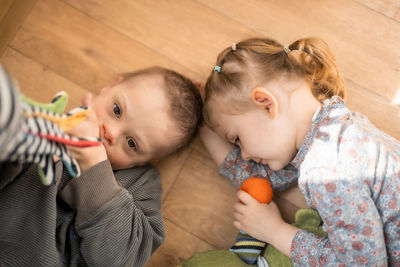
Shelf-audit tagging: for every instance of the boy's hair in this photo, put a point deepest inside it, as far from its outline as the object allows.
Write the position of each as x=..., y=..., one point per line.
x=253, y=62
x=185, y=101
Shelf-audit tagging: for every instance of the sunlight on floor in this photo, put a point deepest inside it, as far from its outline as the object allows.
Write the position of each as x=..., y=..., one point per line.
x=396, y=98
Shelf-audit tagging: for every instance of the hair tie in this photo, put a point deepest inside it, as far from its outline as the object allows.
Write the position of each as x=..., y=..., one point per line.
x=286, y=49
x=217, y=68
x=234, y=47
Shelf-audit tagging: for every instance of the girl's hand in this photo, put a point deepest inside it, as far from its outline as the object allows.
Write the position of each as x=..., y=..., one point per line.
x=264, y=222
x=87, y=156
x=260, y=221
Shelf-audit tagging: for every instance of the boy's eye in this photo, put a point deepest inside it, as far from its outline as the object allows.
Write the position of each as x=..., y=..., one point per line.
x=116, y=110
x=131, y=143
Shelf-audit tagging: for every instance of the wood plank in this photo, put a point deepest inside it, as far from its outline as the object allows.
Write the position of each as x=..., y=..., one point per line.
x=184, y=30
x=381, y=112
x=387, y=7
x=355, y=34
x=82, y=49
x=37, y=81
x=294, y=196
x=287, y=209
x=144, y=22
x=4, y=7
x=170, y=167
x=178, y=247
x=12, y=15
x=198, y=145
x=201, y=202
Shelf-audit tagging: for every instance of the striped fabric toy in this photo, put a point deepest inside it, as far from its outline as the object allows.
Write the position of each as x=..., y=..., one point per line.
x=34, y=132
x=248, y=248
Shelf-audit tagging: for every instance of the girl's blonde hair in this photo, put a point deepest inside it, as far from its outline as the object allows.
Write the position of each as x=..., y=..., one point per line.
x=253, y=62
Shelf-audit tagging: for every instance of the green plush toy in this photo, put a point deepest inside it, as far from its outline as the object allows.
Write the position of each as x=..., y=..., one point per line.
x=56, y=106
x=307, y=219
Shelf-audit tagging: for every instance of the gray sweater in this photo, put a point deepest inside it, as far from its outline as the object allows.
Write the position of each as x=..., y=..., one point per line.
x=102, y=218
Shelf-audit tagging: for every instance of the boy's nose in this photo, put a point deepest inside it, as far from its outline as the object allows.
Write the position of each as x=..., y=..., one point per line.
x=109, y=135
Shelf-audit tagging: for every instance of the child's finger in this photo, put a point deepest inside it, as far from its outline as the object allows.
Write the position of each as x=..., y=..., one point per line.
x=245, y=198
x=87, y=99
x=239, y=207
x=237, y=216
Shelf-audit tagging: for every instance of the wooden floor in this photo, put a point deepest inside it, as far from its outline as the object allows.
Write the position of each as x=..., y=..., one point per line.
x=82, y=45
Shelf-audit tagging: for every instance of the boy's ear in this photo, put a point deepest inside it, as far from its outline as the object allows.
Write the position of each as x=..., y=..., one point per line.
x=102, y=90
x=265, y=99
x=114, y=83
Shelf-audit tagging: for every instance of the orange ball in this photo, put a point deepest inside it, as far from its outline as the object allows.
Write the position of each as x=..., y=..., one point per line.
x=258, y=188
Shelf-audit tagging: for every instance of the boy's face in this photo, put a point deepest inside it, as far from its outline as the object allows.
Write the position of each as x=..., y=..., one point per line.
x=134, y=121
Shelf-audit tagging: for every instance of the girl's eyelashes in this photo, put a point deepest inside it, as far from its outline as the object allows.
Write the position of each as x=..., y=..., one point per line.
x=116, y=110
x=131, y=143
x=237, y=140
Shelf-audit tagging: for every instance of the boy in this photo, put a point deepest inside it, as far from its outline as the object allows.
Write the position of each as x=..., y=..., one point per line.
x=110, y=215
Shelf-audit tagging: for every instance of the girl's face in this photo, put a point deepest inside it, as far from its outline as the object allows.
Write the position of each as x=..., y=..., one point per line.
x=261, y=138
x=134, y=121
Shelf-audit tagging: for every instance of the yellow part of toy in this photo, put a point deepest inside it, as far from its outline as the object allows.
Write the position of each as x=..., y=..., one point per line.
x=64, y=122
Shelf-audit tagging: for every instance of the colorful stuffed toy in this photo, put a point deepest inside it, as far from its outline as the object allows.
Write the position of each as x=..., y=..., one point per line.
x=307, y=219
x=36, y=130
x=247, y=247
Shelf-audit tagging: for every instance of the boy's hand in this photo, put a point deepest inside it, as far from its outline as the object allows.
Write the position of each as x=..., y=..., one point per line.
x=87, y=156
x=261, y=221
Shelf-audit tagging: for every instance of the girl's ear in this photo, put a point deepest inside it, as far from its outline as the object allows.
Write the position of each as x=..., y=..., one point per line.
x=265, y=99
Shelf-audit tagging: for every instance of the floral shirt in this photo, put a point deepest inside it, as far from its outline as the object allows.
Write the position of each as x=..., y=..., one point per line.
x=348, y=171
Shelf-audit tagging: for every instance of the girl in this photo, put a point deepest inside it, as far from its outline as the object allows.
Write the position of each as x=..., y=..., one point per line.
x=282, y=109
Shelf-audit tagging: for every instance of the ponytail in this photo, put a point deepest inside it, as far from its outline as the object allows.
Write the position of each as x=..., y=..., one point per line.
x=319, y=66
x=255, y=61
